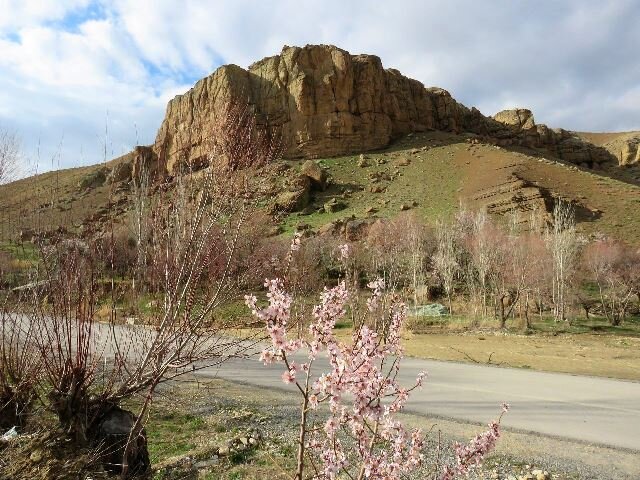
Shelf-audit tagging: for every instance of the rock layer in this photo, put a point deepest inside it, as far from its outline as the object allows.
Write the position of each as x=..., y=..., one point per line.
x=321, y=101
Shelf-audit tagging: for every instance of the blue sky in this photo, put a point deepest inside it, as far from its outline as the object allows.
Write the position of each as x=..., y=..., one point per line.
x=76, y=75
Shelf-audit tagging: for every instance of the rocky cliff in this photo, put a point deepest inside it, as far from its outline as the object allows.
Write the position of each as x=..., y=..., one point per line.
x=321, y=101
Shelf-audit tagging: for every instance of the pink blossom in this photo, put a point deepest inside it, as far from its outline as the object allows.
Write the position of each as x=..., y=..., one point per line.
x=359, y=388
x=344, y=252
x=289, y=376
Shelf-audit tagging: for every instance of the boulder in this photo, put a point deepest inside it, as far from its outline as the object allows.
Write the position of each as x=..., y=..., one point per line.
x=315, y=173
x=334, y=205
x=357, y=229
x=145, y=165
x=519, y=118
x=291, y=201
x=110, y=436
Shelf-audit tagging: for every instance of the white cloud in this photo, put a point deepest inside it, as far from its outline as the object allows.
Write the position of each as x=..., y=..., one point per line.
x=17, y=14
x=63, y=67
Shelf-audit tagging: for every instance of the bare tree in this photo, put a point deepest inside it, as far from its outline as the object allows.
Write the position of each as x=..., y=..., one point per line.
x=9, y=156
x=484, y=253
x=615, y=267
x=446, y=259
x=562, y=241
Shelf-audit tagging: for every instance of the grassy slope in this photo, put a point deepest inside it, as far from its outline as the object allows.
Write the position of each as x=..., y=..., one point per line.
x=44, y=202
x=449, y=171
x=443, y=170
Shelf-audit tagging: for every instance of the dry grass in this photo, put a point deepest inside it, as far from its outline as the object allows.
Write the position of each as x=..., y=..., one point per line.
x=586, y=354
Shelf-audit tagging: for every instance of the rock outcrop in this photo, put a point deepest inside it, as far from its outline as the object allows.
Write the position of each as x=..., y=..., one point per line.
x=321, y=101
x=625, y=148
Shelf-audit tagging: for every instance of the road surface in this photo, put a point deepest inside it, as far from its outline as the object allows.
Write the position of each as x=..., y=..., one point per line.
x=595, y=410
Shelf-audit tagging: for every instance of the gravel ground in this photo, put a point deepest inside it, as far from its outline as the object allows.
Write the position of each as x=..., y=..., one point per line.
x=519, y=455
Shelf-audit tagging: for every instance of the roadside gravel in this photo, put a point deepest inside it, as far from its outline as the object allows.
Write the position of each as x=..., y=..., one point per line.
x=519, y=455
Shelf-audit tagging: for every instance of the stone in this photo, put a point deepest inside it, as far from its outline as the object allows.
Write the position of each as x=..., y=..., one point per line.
x=36, y=456
x=111, y=435
x=120, y=173
x=357, y=229
x=94, y=179
x=362, y=161
x=404, y=207
x=315, y=173
x=333, y=205
x=540, y=475
x=224, y=450
x=402, y=162
x=145, y=165
x=213, y=461
x=520, y=118
x=296, y=199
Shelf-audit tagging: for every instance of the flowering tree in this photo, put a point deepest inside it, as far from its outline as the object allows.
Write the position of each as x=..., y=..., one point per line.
x=360, y=437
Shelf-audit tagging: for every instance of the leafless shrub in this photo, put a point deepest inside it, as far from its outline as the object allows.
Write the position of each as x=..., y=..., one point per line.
x=615, y=268
x=20, y=373
x=182, y=232
x=9, y=156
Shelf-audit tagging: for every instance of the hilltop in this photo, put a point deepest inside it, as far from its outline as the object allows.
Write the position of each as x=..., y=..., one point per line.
x=385, y=143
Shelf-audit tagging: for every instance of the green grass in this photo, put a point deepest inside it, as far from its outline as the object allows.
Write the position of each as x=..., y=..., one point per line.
x=172, y=433
x=429, y=181
x=23, y=251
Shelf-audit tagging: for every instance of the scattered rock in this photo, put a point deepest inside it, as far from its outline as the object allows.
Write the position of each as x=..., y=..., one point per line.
x=36, y=456
x=296, y=199
x=333, y=205
x=213, y=461
x=315, y=173
x=94, y=179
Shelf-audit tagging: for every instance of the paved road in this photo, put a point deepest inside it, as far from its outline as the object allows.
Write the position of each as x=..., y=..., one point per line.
x=595, y=410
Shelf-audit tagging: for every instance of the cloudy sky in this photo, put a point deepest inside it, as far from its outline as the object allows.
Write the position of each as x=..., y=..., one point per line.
x=81, y=80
